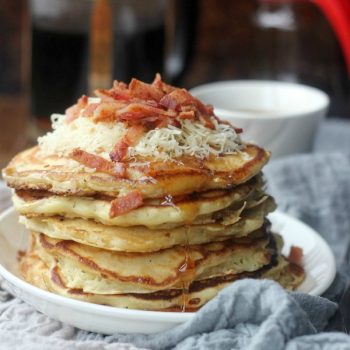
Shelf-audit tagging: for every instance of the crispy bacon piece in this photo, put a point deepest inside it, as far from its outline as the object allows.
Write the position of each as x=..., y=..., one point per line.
x=210, y=109
x=159, y=84
x=187, y=115
x=73, y=112
x=174, y=99
x=119, y=92
x=295, y=255
x=124, y=204
x=134, y=133
x=138, y=111
x=131, y=137
x=119, y=85
x=238, y=130
x=104, y=111
x=145, y=91
x=113, y=94
x=107, y=111
x=181, y=97
x=90, y=109
x=119, y=151
x=151, y=103
x=98, y=163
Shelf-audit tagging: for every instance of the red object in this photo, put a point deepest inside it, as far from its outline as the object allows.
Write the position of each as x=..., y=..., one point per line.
x=338, y=14
x=119, y=151
x=73, y=112
x=295, y=255
x=124, y=204
x=145, y=91
x=98, y=163
x=133, y=134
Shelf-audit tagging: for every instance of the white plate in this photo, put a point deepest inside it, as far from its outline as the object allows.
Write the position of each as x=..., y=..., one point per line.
x=319, y=264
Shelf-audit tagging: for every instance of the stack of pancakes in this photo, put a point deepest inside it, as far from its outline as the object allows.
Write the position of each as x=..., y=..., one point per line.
x=200, y=225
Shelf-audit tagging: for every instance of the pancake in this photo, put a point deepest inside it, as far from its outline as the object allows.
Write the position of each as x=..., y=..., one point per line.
x=32, y=170
x=150, y=214
x=36, y=272
x=157, y=270
x=142, y=239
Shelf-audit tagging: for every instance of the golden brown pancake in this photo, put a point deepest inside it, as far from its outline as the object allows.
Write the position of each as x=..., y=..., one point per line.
x=36, y=272
x=142, y=239
x=31, y=170
x=142, y=272
x=151, y=215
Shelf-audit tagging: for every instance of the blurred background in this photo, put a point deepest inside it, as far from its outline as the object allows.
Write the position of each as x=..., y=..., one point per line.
x=53, y=51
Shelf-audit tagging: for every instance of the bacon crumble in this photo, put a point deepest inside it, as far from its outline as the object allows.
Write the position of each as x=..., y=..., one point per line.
x=295, y=255
x=100, y=164
x=145, y=91
x=73, y=112
x=124, y=204
x=150, y=105
x=120, y=150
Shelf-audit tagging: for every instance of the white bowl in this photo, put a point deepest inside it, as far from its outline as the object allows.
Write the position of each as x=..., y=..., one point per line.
x=282, y=117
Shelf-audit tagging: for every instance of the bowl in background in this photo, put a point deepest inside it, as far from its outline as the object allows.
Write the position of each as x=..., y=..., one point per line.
x=282, y=117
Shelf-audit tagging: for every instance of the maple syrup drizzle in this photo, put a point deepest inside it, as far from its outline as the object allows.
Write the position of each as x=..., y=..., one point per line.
x=188, y=271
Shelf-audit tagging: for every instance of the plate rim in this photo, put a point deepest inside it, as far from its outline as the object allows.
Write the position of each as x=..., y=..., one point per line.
x=159, y=316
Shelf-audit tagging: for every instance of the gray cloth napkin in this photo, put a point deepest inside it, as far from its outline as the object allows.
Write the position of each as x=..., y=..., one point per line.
x=249, y=314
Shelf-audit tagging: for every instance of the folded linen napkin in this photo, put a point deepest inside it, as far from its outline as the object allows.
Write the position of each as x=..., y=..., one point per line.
x=249, y=314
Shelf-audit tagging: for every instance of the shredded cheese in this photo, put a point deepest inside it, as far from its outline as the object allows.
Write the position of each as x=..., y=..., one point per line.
x=192, y=139
x=83, y=133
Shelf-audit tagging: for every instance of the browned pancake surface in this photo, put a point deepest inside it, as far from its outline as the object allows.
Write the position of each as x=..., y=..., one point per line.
x=31, y=170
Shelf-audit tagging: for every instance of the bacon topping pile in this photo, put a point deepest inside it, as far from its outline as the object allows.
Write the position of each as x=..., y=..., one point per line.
x=142, y=107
